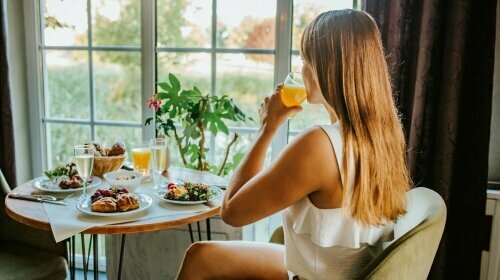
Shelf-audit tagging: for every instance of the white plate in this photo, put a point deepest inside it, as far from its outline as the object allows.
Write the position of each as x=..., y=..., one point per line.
x=44, y=184
x=85, y=206
x=161, y=192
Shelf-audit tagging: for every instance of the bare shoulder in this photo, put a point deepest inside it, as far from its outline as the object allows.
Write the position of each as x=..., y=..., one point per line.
x=311, y=155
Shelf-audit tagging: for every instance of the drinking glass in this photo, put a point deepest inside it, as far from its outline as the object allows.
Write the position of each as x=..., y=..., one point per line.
x=141, y=155
x=159, y=153
x=84, y=157
x=293, y=92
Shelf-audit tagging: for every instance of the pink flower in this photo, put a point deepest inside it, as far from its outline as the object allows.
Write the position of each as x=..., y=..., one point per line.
x=154, y=102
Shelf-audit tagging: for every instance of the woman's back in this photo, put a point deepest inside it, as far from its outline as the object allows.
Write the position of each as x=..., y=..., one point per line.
x=328, y=243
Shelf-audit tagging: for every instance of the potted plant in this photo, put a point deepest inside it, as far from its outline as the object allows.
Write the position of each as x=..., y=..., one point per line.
x=187, y=115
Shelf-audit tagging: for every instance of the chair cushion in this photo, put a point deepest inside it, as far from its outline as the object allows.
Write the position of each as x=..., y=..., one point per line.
x=18, y=261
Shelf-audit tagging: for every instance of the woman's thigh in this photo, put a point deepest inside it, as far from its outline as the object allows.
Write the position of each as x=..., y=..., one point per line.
x=234, y=260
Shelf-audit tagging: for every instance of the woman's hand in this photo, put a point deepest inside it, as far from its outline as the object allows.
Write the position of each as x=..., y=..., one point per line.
x=273, y=112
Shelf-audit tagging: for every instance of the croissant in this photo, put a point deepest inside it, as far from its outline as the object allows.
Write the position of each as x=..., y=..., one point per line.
x=105, y=204
x=127, y=202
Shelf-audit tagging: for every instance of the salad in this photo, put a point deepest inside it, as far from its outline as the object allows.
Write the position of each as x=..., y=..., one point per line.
x=66, y=176
x=188, y=192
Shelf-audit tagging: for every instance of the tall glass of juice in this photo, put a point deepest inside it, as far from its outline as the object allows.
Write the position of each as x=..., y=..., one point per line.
x=293, y=92
x=141, y=156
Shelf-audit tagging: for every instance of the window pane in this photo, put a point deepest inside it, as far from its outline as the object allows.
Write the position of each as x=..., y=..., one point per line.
x=191, y=69
x=246, y=24
x=247, y=78
x=181, y=23
x=67, y=88
x=116, y=22
x=304, y=11
x=65, y=23
x=117, y=86
x=61, y=138
x=238, y=150
x=108, y=135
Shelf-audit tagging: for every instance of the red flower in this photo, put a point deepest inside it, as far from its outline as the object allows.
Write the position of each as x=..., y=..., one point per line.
x=154, y=102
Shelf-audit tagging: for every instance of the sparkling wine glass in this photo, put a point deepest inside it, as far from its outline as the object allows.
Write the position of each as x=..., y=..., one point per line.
x=84, y=157
x=159, y=154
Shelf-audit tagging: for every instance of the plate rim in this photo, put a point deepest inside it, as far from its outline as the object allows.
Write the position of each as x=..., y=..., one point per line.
x=41, y=178
x=115, y=214
x=188, y=202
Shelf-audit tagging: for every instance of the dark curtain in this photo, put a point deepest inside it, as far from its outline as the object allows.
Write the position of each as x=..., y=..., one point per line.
x=7, y=164
x=441, y=55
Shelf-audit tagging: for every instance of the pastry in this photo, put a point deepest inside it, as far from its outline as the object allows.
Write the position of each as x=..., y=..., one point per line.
x=117, y=149
x=127, y=202
x=105, y=204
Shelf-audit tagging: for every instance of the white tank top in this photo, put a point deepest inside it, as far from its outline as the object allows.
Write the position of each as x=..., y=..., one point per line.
x=327, y=243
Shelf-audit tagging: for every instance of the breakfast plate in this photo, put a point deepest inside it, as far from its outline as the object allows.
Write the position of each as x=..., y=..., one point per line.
x=44, y=184
x=84, y=206
x=216, y=193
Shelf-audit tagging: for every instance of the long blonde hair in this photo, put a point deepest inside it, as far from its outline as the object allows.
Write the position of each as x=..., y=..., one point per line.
x=345, y=52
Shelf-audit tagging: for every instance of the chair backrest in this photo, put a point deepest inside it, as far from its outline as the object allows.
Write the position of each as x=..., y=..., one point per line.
x=416, y=239
x=13, y=231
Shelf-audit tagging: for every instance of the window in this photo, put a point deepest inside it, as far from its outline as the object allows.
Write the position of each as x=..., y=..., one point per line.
x=98, y=60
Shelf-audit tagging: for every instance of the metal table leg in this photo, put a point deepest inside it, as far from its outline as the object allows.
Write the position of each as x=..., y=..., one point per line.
x=199, y=230
x=70, y=262
x=73, y=263
x=96, y=257
x=84, y=258
x=191, y=233
x=122, y=248
x=209, y=234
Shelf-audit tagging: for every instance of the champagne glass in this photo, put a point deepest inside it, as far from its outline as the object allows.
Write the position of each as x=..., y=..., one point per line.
x=84, y=157
x=159, y=153
x=293, y=92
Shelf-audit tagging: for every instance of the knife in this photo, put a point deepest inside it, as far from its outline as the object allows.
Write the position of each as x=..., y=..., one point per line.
x=34, y=198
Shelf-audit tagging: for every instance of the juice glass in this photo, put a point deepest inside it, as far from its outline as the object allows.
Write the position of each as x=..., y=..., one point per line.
x=141, y=155
x=293, y=92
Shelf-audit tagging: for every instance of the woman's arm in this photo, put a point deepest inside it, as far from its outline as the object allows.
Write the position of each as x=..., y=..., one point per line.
x=254, y=193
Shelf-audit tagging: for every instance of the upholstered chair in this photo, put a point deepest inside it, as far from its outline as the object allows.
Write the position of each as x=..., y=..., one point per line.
x=25, y=252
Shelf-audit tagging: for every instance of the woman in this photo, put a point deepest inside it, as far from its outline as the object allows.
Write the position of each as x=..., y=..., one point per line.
x=341, y=185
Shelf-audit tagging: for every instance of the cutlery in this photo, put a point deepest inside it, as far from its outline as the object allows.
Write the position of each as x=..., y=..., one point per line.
x=37, y=198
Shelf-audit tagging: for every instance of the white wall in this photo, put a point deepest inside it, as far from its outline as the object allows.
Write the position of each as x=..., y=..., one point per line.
x=19, y=94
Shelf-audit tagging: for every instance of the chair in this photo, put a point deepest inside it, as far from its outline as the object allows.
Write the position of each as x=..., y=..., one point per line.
x=416, y=239
x=25, y=252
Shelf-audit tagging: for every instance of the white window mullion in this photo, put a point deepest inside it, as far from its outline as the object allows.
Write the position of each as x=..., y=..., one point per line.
x=148, y=53
x=35, y=84
x=91, y=70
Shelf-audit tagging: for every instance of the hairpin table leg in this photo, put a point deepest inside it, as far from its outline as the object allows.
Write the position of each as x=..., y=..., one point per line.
x=191, y=233
x=96, y=257
x=73, y=246
x=83, y=255
x=199, y=230
x=209, y=234
x=122, y=248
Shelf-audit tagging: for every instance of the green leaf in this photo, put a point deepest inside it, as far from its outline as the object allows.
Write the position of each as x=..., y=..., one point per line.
x=148, y=121
x=176, y=85
x=222, y=127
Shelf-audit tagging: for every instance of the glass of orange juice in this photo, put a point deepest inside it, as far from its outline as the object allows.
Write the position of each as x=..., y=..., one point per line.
x=141, y=156
x=293, y=92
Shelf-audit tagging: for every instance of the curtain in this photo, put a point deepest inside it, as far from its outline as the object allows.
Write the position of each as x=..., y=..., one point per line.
x=7, y=164
x=441, y=58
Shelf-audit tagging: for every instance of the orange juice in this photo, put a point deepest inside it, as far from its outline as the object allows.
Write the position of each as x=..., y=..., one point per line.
x=141, y=157
x=293, y=95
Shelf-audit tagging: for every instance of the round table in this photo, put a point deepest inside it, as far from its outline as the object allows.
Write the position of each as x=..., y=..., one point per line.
x=33, y=213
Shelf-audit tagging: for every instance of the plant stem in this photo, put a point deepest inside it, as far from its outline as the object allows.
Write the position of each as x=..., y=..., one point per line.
x=202, y=130
x=227, y=153
x=178, y=140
